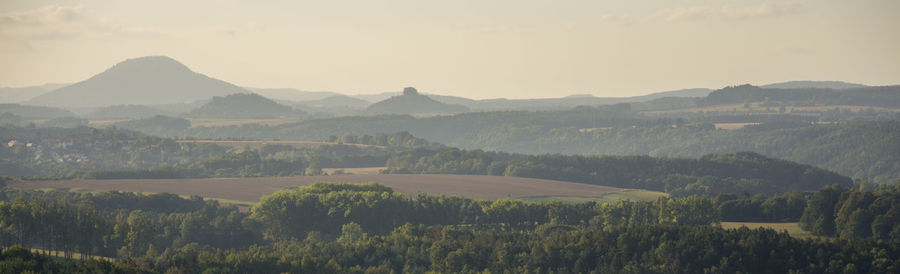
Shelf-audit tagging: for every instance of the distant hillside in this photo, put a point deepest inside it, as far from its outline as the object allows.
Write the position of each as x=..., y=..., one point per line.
x=887, y=96
x=244, y=105
x=7, y=119
x=125, y=112
x=156, y=125
x=292, y=94
x=377, y=97
x=814, y=84
x=16, y=95
x=681, y=93
x=139, y=81
x=337, y=101
x=35, y=112
x=411, y=102
x=563, y=103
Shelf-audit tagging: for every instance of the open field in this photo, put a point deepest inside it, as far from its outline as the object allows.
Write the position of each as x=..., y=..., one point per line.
x=792, y=228
x=260, y=144
x=732, y=126
x=355, y=170
x=251, y=189
x=629, y=194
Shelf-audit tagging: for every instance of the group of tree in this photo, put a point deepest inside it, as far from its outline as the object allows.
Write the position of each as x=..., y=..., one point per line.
x=368, y=228
x=710, y=175
x=848, y=213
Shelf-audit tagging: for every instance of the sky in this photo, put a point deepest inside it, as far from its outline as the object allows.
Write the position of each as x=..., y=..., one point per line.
x=476, y=49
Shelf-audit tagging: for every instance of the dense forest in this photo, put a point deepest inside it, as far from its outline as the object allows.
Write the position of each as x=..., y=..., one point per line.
x=369, y=228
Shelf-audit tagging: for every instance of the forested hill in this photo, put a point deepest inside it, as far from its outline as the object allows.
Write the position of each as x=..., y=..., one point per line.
x=411, y=102
x=244, y=105
x=862, y=150
x=745, y=172
x=886, y=96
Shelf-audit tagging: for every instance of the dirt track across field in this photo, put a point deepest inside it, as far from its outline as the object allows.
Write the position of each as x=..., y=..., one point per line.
x=251, y=189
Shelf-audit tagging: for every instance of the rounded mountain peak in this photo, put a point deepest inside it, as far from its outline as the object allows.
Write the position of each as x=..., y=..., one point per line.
x=150, y=64
x=410, y=91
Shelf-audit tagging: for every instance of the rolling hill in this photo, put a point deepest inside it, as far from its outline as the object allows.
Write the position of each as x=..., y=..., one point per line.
x=411, y=102
x=148, y=80
x=814, y=84
x=244, y=105
x=125, y=112
x=21, y=94
x=35, y=112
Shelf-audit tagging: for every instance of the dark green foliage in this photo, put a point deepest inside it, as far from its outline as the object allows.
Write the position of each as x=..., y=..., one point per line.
x=785, y=207
x=16, y=259
x=835, y=211
x=363, y=228
x=118, y=224
x=377, y=209
x=636, y=249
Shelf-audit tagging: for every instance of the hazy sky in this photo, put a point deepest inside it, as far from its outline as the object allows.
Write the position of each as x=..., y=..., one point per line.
x=478, y=49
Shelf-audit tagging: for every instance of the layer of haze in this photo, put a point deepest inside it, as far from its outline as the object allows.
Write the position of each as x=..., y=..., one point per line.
x=476, y=49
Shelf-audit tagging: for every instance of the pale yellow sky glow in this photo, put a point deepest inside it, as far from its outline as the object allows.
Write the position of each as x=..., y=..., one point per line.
x=476, y=49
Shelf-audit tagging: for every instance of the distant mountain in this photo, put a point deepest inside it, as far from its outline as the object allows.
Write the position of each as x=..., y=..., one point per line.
x=813, y=84
x=681, y=93
x=244, y=106
x=567, y=102
x=377, y=97
x=411, y=102
x=337, y=101
x=125, y=112
x=139, y=81
x=292, y=94
x=16, y=95
x=887, y=96
x=35, y=112
x=453, y=100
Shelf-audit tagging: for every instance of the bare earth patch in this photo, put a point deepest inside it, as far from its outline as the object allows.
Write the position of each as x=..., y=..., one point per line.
x=251, y=189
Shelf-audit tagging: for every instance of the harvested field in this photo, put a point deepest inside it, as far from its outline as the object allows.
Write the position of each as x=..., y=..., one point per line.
x=251, y=189
x=732, y=126
x=355, y=170
x=260, y=144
